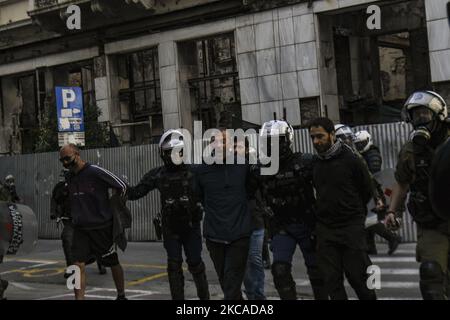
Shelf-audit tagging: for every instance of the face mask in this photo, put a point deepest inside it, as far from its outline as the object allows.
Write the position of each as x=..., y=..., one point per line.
x=421, y=136
x=168, y=161
x=70, y=165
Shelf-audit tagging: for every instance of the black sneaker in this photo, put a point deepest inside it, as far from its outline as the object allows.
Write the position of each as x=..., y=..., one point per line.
x=3, y=286
x=393, y=245
x=121, y=297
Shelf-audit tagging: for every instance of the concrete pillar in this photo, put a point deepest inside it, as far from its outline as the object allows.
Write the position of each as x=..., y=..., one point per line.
x=170, y=85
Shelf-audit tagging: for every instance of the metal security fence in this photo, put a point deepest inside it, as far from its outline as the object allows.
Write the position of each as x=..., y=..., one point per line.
x=36, y=175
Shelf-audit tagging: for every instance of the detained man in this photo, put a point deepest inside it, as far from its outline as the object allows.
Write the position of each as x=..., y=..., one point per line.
x=343, y=188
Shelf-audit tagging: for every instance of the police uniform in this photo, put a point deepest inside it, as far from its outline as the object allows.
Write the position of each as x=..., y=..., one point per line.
x=433, y=232
x=5, y=194
x=60, y=208
x=180, y=219
x=290, y=196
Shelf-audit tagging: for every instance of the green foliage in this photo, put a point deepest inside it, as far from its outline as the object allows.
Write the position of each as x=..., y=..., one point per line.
x=96, y=134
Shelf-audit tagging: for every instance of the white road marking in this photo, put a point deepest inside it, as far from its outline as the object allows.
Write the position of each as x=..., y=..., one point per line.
x=90, y=291
x=57, y=296
x=99, y=297
x=393, y=259
x=21, y=286
x=400, y=271
x=384, y=284
x=41, y=264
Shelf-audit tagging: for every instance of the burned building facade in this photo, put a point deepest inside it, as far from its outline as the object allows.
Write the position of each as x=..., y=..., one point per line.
x=151, y=65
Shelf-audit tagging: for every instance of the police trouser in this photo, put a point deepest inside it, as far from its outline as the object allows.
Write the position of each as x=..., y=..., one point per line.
x=191, y=242
x=67, y=240
x=336, y=258
x=433, y=251
x=283, y=246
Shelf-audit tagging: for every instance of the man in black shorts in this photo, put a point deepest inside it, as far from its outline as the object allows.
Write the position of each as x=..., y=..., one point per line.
x=92, y=216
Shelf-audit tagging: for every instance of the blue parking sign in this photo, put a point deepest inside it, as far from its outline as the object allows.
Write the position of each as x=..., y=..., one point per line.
x=69, y=104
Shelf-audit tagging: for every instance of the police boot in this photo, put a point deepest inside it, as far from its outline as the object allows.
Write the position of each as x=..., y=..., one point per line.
x=282, y=277
x=317, y=284
x=3, y=285
x=432, y=281
x=176, y=279
x=201, y=283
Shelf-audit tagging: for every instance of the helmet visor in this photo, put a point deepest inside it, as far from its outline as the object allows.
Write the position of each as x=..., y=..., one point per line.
x=361, y=145
x=421, y=116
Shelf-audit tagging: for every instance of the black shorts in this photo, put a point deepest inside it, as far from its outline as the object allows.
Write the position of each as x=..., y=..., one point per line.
x=98, y=243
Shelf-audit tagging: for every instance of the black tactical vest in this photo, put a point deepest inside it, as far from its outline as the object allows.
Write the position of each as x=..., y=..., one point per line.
x=60, y=196
x=419, y=204
x=290, y=192
x=179, y=206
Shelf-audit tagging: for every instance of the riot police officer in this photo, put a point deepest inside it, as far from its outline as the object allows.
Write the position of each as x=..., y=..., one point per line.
x=180, y=216
x=427, y=112
x=8, y=190
x=60, y=211
x=372, y=156
x=290, y=198
x=345, y=134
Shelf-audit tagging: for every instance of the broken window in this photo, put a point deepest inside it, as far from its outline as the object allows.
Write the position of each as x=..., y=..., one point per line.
x=140, y=94
x=29, y=115
x=377, y=69
x=77, y=74
x=212, y=77
x=309, y=109
x=45, y=3
x=20, y=113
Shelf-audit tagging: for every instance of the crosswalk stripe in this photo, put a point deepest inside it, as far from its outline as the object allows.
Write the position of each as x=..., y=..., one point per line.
x=384, y=284
x=400, y=271
x=411, y=251
x=393, y=259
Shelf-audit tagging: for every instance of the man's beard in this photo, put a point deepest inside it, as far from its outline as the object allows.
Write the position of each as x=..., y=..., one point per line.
x=323, y=148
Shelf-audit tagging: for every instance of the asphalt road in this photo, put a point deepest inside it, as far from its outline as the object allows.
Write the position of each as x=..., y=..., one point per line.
x=39, y=276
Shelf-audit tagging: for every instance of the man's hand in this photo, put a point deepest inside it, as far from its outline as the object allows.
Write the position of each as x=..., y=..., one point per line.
x=391, y=221
x=379, y=207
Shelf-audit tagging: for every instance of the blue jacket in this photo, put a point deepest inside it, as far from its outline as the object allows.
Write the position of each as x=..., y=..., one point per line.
x=89, y=196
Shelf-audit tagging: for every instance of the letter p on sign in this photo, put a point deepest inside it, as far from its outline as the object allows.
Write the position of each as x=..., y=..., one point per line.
x=74, y=281
x=68, y=95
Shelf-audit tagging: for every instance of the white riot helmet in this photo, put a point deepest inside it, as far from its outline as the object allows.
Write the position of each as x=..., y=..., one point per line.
x=428, y=99
x=9, y=180
x=171, y=139
x=426, y=111
x=280, y=129
x=344, y=133
x=363, y=141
